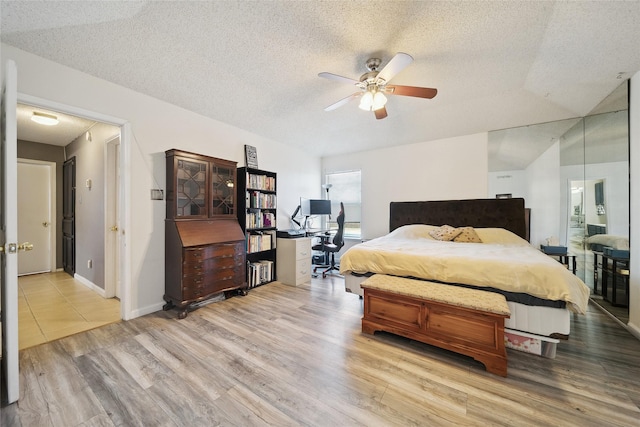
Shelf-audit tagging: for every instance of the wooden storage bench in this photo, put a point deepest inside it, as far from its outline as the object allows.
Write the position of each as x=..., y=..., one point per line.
x=463, y=320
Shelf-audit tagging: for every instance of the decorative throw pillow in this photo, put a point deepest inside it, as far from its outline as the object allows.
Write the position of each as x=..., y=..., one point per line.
x=467, y=235
x=445, y=233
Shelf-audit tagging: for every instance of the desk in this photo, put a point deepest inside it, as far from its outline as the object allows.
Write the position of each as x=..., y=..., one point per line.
x=319, y=233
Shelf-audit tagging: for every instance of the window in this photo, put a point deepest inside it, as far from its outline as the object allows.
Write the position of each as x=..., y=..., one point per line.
x=345, y=187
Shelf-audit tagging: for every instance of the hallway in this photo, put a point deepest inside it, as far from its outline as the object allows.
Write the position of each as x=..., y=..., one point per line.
x=55, y=305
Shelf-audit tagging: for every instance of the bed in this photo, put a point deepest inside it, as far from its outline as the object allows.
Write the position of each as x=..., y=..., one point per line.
x=541, y=292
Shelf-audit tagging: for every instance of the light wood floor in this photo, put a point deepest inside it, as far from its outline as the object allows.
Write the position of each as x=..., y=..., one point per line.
x=296, y=356
x=55, y=305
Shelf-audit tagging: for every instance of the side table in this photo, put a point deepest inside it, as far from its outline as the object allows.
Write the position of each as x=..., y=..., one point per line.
x=617, y=268
x=567, y=260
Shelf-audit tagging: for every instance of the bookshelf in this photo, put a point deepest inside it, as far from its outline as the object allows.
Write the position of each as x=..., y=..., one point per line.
x=257, y=203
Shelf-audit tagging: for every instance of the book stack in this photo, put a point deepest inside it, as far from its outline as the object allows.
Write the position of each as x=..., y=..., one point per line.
x=259, y=273
x=256, y=199
x=260, y=220
x=259, y=242
x=261, y=182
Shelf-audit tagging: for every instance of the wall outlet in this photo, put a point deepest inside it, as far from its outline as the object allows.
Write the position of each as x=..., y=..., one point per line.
x=90, y=264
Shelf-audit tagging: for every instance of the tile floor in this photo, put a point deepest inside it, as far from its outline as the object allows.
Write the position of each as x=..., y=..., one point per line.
x=55, y=305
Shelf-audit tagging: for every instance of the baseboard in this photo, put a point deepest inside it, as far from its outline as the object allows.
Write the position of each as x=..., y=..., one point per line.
x=89, y=284
x=146, y=310
x=635, y=330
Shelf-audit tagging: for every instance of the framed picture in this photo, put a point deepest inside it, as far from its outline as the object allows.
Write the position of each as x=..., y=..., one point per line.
x=503, y=196
x=250, y=156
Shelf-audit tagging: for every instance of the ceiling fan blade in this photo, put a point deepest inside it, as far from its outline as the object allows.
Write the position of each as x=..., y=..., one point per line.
x=418, y=92
x=397, y=64
x=343, y=101
x=381, y=113
x=338, y=78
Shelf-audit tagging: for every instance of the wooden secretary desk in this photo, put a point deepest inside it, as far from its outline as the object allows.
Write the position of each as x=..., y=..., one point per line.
x=204, y=244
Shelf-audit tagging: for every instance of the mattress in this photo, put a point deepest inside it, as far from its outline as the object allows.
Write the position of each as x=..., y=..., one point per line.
x=502, y=261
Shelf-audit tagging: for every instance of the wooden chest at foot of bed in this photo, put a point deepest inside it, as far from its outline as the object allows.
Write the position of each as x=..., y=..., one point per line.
x=466, y=321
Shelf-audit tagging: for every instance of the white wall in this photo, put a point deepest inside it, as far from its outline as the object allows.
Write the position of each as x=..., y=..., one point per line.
x=89, y=208
x=453, y=168
x=157, y=126
x=634, y=165
x=539, y=185
x=508, y=182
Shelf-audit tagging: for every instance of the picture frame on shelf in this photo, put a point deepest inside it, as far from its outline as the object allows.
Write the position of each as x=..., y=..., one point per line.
x=250, y=156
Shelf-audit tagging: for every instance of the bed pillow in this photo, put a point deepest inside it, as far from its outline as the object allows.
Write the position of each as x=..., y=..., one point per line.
x=467, y=235
x=616, y=242
x=500, y=236
x=445, y=233
x=414, y=231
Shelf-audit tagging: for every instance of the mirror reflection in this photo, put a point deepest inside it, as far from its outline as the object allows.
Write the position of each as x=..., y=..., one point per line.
x=574, y=177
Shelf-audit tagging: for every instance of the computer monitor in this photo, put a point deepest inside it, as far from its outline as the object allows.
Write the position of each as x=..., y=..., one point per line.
x=309, y=207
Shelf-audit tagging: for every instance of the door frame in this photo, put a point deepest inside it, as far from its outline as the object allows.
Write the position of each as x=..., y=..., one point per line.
x=51, y=166
x=124, y=190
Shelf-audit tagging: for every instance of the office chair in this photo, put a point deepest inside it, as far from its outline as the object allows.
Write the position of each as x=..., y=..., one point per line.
x=332, y=248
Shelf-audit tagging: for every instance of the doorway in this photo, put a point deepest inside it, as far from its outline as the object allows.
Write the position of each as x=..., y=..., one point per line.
x=102, y=181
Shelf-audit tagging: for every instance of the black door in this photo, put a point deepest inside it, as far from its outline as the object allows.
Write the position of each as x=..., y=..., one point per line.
x=68, y=216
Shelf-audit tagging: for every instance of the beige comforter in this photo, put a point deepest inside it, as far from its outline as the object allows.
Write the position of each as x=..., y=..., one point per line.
x=503, y=261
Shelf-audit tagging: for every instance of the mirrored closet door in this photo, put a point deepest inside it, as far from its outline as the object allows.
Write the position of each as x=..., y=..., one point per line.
x=574, y=176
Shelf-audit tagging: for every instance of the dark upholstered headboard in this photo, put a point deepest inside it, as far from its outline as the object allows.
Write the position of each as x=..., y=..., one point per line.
x=481, y=213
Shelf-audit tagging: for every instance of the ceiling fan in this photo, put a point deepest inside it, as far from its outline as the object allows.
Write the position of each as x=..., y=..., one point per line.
x=374, y=85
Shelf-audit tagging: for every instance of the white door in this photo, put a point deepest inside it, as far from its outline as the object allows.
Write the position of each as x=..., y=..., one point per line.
x=112, y=252
x=35, y=219
x=9, y=233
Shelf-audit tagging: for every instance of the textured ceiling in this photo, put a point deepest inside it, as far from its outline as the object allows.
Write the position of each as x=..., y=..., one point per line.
x=66, y=131
x=255, y=65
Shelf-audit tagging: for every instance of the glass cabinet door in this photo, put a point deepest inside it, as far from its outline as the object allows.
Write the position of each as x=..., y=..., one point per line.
x=223, y=180
x=191, y=188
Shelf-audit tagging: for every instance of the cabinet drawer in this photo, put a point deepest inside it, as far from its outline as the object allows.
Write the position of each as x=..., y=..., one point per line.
x=302, y=248
x=193, y=291
x=208, y=265
x=303, y=271
x=208, y=276
x=223, y=250
x=194, y=287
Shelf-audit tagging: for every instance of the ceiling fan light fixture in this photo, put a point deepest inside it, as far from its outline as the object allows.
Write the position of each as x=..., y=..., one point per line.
x=366, y=103
x=379, y=101
x=372, y=100
x=44, y=119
